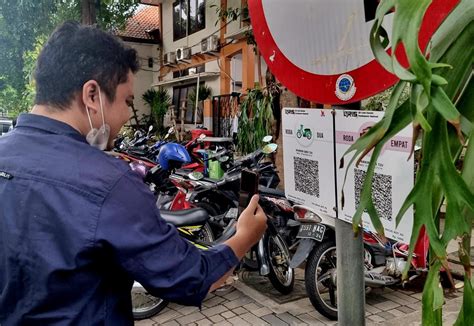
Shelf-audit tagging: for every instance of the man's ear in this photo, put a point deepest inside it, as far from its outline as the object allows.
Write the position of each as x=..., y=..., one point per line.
x=90, y=95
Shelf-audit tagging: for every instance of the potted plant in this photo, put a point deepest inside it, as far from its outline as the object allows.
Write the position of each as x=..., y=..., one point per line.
x=159, y=100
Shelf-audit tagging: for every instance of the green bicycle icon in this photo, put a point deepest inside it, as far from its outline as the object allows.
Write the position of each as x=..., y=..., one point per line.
x=304, y=132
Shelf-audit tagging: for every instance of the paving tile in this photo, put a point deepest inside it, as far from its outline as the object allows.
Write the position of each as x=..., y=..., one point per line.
x=396, y=312
x=273, y=320
x=387, y=305
x=228, y=314
x=185, y=320
x=186, y=310
x=233, y=295
x=171, y=323
x=406, y=309
x=417, y=296
x=414, y=306
x=145, y=322
x=237, y=321
x=204, y=322
x=371, y=309
x=376, y=318
x=310, y=320
x=223, y=323
x=386, y=315
x=252, y=306
x=239, y=302
x=286, y=317
x=253, y=320
x=208, y=312
x=213, y=301
x=408, y=298
x=239, y=311
x=262, y=312
x=400, y=298
x=216, y=318
x=163, y=317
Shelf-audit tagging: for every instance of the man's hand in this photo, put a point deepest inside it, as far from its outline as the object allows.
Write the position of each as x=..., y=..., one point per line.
x=251, y=225
x=252, y=222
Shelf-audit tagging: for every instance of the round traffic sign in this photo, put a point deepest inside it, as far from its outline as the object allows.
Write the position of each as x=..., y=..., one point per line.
x=319, y=49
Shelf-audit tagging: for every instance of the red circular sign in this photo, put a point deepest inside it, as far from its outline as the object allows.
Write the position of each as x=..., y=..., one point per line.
x=368, y=79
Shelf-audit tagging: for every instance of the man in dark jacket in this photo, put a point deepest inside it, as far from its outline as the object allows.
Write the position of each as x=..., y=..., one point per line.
x=76, y=225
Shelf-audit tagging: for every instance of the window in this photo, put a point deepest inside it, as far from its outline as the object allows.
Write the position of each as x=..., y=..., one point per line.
x=195, y=10
x=180, y=95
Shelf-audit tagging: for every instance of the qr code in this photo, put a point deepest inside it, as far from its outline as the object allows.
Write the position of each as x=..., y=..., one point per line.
x=306, y=176
x=381, y=192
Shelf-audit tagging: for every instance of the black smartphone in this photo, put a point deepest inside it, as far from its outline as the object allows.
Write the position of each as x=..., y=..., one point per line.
x=248, y=187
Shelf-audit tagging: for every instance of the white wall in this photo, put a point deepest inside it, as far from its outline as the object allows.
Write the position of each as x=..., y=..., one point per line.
x=193, y=40
x=144, y=78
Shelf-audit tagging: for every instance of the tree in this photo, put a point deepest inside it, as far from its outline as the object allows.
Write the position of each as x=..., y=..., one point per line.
x=25, y=24
x=441, y=110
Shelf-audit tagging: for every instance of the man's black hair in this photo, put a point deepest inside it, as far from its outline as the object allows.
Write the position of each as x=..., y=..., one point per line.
x=76, y=53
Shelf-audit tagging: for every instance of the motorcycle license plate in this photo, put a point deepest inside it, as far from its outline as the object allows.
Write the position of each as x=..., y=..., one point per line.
x=312, y=231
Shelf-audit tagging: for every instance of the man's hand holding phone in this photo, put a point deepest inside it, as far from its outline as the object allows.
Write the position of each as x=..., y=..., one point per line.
x=252, y=222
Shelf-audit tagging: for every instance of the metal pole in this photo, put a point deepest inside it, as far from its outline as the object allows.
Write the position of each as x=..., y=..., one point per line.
x=350, y=267
x=350, y=275
x=197, y=100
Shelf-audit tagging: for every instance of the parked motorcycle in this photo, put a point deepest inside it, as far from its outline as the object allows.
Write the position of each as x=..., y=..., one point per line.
x=192, y=224
x=272, y=254
x=384, y=261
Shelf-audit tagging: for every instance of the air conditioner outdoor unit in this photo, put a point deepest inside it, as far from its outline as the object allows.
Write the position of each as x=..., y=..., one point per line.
x=210, y=44
x=183, y=54
x=169, y=58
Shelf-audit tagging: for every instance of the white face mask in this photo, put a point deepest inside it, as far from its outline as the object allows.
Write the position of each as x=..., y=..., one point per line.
x=98, y=138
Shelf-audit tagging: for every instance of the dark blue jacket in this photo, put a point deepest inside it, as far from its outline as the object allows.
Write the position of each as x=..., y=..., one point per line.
x=77, y=227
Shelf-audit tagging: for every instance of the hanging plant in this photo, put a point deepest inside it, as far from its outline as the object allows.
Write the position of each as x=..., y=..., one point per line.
x=255, y=121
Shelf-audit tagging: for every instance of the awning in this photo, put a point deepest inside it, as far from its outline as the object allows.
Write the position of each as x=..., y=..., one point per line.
x=186, y=79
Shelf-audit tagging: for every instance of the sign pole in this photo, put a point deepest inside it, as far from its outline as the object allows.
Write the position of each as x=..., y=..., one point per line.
x=350, y=264
x=350, y=275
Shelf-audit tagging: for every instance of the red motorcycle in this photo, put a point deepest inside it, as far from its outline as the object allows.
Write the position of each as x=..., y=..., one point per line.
x=384, y=260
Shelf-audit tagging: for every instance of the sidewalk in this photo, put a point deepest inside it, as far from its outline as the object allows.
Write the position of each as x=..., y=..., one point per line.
x=244, y=305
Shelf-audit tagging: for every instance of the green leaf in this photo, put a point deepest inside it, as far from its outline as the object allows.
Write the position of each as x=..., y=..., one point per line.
x=432, y=299
x=466, y=315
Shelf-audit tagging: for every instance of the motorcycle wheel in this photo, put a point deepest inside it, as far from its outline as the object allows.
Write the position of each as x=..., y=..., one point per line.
x=144, y=305
x=320, y=279
x=206, y=233
x=281, y=275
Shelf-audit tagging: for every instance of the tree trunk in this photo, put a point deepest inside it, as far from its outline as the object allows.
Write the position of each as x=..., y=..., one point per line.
x=88, y=10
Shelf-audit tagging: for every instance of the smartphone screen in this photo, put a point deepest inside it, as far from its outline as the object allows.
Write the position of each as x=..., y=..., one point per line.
x=248, y=187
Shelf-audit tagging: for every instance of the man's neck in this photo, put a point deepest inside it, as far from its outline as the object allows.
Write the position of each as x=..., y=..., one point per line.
x=70, y=116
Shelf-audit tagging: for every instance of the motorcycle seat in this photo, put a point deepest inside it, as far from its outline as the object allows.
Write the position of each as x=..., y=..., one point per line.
x=270, y=191
x=186, y=217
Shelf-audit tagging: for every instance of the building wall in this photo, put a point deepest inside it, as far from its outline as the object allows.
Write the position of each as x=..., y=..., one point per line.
x=144, y=77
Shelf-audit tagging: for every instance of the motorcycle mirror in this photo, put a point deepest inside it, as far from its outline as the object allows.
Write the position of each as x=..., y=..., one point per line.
x=269, y=148
x=171, y=130
x=150, y=129
x=267, y=139
x=223, y=159
x=202, y=136
x=195, y=176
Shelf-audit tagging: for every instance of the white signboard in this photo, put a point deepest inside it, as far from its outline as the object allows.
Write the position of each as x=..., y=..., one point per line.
x=308, y=154
x=393, y=179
